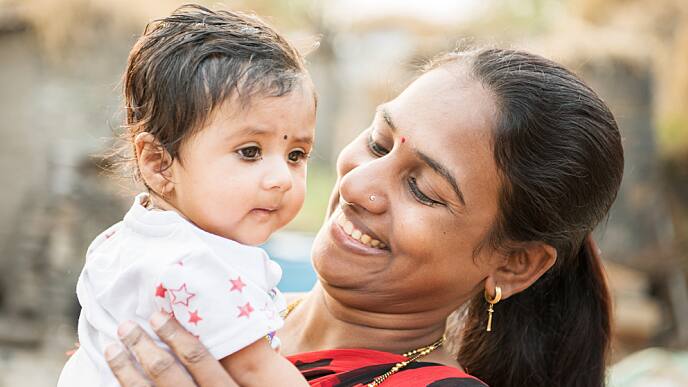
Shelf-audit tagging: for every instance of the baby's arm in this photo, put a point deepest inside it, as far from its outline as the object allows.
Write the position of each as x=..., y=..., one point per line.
x=260, y=365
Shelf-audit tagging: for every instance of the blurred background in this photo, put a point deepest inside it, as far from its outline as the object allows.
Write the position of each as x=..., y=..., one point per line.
x=60, y=105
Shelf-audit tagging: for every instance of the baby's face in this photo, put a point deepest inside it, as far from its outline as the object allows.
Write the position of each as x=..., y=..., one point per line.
x=243, y=175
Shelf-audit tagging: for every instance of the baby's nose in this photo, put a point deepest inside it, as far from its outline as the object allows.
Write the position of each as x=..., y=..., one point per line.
x=278, y=177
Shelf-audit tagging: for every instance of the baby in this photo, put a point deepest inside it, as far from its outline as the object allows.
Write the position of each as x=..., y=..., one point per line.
x=221, y=117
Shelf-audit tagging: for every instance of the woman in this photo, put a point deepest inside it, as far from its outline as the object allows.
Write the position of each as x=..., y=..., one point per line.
x=482, y=181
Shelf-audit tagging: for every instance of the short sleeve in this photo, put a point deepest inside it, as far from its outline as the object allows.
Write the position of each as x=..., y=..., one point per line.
x=216, y=302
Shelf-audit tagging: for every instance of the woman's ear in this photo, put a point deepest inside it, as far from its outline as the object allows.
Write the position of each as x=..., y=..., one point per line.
x=154, y=163
x=522, y=267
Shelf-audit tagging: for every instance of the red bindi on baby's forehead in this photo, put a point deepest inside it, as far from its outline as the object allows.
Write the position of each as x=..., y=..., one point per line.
x=285, y=137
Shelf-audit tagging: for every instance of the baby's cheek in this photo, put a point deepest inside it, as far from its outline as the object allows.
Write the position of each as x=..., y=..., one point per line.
x=294, y=202
x=300, y=197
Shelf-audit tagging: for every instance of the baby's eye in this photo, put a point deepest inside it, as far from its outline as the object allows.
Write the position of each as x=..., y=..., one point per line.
x=297, y=155
x=250, y=153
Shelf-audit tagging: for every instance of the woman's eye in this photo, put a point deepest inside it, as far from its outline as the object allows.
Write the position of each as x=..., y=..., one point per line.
x=375, y=148
x=420, y=196
x=296, y=156
x=250, y=153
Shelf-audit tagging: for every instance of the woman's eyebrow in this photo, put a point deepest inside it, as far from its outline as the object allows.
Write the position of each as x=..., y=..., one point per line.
x=432, y=163
x=442, y=171
x=385, y=116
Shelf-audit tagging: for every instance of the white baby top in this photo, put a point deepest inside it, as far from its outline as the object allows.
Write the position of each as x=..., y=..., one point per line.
x=220, y=290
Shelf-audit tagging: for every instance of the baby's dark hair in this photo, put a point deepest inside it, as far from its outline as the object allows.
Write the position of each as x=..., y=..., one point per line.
x=187, y=64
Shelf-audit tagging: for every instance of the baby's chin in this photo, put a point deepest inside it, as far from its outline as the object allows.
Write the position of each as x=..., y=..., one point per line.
x=249, y=239
x=252, y=237
x=253, y=241
x=255, y=230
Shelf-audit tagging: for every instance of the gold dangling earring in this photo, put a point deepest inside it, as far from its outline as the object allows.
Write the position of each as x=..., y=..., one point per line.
x=490, y=309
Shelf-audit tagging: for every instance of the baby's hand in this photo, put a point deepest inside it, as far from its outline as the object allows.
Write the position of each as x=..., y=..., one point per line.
x=258, y=365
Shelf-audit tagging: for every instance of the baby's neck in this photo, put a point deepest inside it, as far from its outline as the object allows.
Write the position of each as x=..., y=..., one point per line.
x=157, y=203
x=320, y=322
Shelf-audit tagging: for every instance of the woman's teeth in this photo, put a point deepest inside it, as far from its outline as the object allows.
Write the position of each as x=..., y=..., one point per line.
x=353, y=232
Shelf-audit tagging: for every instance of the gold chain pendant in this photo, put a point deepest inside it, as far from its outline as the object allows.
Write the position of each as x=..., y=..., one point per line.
x=412, y=356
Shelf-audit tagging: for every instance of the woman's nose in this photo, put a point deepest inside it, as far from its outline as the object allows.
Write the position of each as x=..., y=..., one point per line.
x=278, y=176
x=366, y=186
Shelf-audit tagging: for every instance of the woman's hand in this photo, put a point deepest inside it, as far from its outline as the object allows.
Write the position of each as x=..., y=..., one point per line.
x=159, y=366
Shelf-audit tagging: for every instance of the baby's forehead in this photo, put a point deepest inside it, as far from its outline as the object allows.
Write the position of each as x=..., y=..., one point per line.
x=244, y=103
x=291, y=115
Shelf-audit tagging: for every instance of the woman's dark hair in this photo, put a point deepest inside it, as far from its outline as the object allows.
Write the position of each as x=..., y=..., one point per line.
x=558, y=150
x=187, y=64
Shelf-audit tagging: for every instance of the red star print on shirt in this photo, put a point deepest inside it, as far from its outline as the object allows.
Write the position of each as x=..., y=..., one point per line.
x=237, y=284
x=160, y=291
x=245, y=311
x=181, y=295
x=194, y=318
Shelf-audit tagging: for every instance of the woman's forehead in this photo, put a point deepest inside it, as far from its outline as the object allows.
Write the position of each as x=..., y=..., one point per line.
x=448, y=105
x=446, y=98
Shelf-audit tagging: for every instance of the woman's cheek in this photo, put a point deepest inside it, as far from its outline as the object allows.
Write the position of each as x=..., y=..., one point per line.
x=430, y=229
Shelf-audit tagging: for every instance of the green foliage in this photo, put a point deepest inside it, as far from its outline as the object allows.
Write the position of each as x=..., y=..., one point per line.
x=673, y=135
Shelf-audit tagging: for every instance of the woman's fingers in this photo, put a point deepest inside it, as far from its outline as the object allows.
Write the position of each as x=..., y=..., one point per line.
x=160, y=366
x=201, y=365
x=123, y=367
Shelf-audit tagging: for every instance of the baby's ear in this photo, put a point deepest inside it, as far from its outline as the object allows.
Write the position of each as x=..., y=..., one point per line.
x=154, y=163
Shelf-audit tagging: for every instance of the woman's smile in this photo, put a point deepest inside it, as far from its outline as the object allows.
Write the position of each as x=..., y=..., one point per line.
x=359, y=231
x=353, y=236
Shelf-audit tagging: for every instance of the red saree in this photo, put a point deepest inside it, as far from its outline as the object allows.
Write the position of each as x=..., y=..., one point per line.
x=356, y=367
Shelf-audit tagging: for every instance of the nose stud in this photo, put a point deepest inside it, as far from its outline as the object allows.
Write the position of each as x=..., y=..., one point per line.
x=372, y=198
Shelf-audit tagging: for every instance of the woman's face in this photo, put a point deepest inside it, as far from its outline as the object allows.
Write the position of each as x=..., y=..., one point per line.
x=422, y=181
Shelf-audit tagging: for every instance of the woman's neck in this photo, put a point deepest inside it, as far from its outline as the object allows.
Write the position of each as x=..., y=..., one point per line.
x=320, y=322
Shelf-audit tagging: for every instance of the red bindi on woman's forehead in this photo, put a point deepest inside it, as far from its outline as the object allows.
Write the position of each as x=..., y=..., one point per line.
x=403, y=139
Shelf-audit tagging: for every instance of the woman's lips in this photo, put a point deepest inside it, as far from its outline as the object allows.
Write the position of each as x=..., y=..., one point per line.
x=350, y=229
x=347, y=241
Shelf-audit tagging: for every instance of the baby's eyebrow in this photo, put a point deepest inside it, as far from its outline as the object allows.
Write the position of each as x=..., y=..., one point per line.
x=308, y=139
x=252, y=131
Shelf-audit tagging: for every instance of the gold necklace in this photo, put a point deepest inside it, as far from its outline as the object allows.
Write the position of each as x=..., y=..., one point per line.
x=410, y=356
